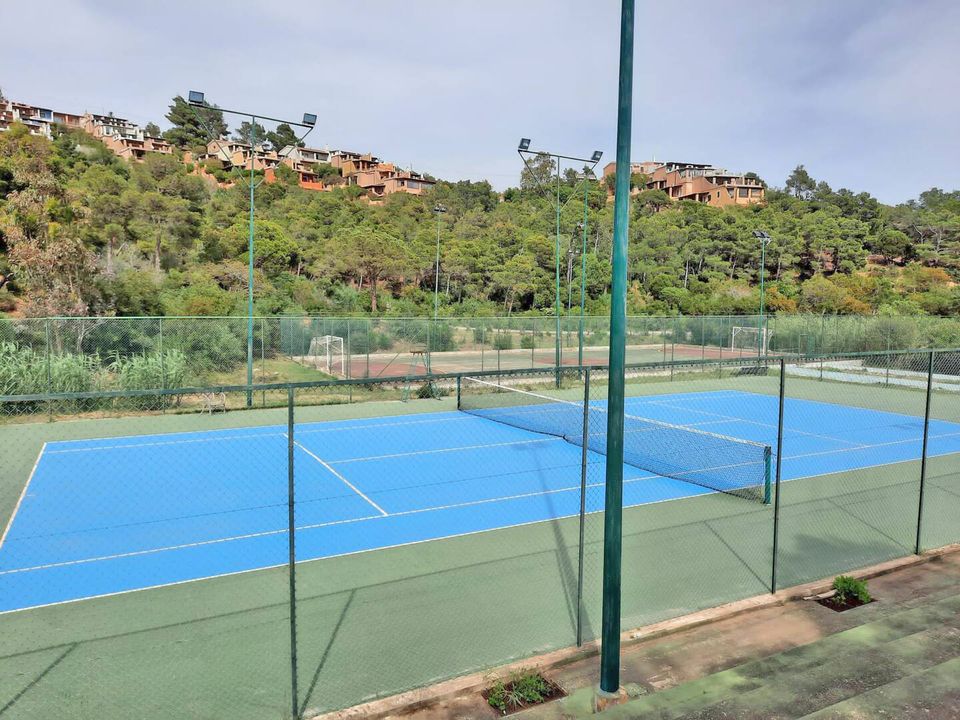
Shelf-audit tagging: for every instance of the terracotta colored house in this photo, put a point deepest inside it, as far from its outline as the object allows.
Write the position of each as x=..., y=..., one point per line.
x=385, y=179
x=698, y=182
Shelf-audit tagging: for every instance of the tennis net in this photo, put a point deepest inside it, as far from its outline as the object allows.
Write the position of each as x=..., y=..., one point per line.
x=719, y=462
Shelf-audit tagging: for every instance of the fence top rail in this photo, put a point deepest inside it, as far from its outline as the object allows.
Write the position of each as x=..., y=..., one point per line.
x=765, y=360
x=121, y=318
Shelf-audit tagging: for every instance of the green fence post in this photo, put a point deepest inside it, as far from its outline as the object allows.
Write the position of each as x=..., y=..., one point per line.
x=584, y=449
x=613, y=514
x=483, y=329
x=923, y=456
x=348, y=369
x=776, y=496
x=263, y=362
x=46, y=330
x=163, y=371
x=292, y=557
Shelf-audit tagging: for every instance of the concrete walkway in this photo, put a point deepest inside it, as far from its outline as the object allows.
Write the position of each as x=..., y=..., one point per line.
x=898, y=657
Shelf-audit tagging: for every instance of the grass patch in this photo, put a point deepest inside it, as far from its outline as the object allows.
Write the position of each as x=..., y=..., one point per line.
x=521, y=690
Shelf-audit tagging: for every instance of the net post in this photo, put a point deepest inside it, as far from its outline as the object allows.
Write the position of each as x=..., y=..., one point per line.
x=776, y=497
x=923, y=456
x=292, y=551
x=459, y=385
x=583, y=501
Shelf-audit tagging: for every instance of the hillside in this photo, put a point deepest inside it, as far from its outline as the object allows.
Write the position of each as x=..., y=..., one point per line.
x=84, y=233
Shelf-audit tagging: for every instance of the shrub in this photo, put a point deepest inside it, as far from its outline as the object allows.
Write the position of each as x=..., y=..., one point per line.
x=525, y=687
x=441, y=338
x=503, y=341
x=527, y=342
x=849, y=589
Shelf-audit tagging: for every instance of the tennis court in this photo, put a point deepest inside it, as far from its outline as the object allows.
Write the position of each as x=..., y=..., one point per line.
x=97, y=516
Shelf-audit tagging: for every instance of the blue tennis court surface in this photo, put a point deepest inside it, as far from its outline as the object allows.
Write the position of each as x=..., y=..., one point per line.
x=112, y=515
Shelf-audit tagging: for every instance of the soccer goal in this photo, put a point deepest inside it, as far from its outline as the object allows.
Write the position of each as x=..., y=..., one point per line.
x=749, y=338
x=326, y=353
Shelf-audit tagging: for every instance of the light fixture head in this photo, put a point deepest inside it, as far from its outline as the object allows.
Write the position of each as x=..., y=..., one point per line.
x=309, y=119
x=438, y=208
x=195, y=97
x=524, y=144
x=597, y=154
x=761, y=235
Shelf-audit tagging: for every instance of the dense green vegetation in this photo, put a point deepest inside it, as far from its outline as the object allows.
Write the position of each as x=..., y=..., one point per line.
x=83, y=232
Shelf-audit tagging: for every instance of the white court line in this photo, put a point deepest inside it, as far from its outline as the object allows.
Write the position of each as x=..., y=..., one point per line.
x=917, y=440
x=278, y=433
x=315, y=526
x=454, y=416
x=394, y=546
x=445, y=450
x=341, y=478
x=734, y=418
x=165, y=442
x=23, y=494
x=328, y=557
x=552, y=438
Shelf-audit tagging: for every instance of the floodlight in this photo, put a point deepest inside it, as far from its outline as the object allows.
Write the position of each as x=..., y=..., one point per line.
x=309, y=119
x=524, y=144
x=761, y=235
x=195, y=98
x=597, y=154
x=438, y=208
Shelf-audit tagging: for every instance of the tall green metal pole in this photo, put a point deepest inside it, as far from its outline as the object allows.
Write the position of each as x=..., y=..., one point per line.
x=613, y=503
x=583, y=275
x=557, y=357
x=763, y=262
x=253, y=125
x=436, y=273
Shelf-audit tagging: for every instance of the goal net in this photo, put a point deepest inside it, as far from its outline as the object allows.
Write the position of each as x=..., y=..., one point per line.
x=750, y=338
x=326, y=353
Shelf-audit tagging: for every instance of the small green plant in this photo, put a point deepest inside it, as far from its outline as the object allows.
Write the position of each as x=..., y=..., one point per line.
x=848, y=589
x=525, y=687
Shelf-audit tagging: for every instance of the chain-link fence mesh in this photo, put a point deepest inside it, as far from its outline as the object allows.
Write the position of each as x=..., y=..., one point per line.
x=940, y=520
x=851, y=463
x=78, y=354
x=443, y=523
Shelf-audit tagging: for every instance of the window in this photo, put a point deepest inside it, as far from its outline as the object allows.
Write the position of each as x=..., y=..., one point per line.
x=744, y=192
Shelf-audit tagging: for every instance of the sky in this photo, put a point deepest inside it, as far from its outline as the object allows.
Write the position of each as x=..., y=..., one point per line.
x=862, y=92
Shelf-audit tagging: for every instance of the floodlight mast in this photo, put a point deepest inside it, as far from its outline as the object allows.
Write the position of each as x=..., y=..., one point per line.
x=438, y=210
x=764, y=239
x=523, y=149
x=197, y=99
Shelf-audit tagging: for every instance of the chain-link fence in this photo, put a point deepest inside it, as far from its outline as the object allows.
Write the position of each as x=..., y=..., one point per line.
x=284, y=549
x=84, y=354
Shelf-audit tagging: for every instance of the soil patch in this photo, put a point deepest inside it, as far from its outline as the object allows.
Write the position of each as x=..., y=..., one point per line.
x=838, y=606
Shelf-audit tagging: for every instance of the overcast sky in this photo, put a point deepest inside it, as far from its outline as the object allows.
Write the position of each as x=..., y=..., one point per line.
x=863, y=92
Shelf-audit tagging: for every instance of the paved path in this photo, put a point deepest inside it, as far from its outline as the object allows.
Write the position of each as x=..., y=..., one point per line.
x=896, y=658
